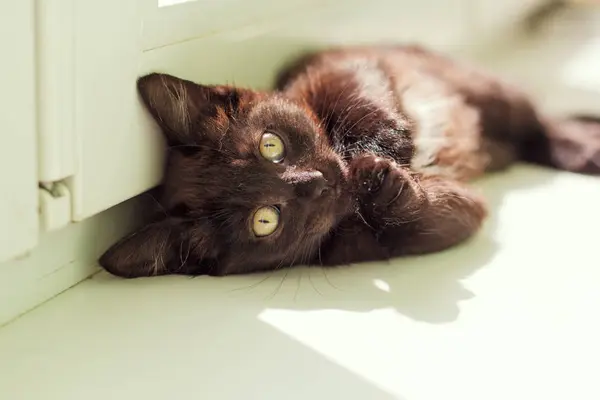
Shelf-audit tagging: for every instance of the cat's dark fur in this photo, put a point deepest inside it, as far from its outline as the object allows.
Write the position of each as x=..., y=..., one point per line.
x=380, y=142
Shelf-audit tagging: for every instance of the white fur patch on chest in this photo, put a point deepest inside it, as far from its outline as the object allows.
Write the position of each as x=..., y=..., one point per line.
x=447, y=135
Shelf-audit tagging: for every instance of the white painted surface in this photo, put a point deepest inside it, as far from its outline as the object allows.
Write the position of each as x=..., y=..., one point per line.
x=18, y=167
x=61, y=259
x=57, y=141
x=493, y=17
x=186, y=20
x=119, y=154
x=512, y=315
x=559, y=65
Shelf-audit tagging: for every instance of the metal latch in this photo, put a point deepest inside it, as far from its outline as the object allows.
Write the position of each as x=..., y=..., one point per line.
x=55, y=206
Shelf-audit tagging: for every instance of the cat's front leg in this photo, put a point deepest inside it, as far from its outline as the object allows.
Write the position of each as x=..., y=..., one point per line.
x=412, y=213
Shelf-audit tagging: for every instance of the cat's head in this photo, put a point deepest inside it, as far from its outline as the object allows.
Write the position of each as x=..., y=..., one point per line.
x=251, y=183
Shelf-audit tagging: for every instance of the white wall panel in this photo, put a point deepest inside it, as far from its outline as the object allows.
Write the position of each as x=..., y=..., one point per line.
x=18, y=174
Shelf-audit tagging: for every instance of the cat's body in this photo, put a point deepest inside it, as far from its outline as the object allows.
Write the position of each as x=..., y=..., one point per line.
x=378, y=144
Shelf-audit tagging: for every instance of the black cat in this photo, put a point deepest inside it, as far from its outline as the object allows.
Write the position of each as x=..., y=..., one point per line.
x=360, y=154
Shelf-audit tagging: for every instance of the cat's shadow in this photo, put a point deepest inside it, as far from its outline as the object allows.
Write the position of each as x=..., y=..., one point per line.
x=269, y=328
x=427, y=288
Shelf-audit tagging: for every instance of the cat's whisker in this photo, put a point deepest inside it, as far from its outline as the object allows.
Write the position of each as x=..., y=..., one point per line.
x=313, y=284
x=229, y=221
x=364, y=220
x=278, y=288
x=324, y=271
x=308, y=254
x=320, y=259
x=160, y=206
x=355, y=102
x=348, y=83
x=272, y=272
x=397, y=195
x=184, y=261
x=256, y=284
x=299, y=284
x=289, y=268
x=158, y=258
x=362, y=118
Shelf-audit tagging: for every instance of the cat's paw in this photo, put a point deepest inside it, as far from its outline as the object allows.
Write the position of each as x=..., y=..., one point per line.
x=577, y=148
x=381, y=184
x=590, y=160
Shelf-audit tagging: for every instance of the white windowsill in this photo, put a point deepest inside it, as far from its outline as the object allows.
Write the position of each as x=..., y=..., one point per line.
x=511, y=315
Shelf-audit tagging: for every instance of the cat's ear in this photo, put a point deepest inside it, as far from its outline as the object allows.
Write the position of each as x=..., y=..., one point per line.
x=181, y=107
x=159, y=248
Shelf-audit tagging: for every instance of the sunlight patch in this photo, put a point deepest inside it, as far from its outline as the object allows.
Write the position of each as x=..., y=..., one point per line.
x=382, y=285
x=167, y=3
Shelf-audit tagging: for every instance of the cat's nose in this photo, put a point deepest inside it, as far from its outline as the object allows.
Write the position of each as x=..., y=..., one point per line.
x=310, y=185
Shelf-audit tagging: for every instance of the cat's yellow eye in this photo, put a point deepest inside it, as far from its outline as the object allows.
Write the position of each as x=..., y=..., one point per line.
x=265, y=221
x=272, y=147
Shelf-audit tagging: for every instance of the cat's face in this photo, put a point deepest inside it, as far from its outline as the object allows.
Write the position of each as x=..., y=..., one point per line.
x=251, y=184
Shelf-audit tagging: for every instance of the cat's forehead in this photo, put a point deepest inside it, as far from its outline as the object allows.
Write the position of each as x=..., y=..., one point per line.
x=284, y=113
x=295, y=123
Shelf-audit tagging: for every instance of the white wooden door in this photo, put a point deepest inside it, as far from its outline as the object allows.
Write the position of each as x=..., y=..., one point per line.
x=18, y=175
x=119, y=152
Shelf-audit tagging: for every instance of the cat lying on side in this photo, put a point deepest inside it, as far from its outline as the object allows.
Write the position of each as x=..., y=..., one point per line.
x=361, y=154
